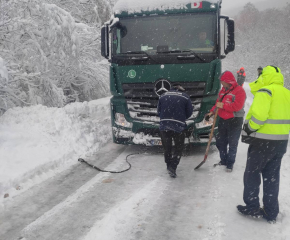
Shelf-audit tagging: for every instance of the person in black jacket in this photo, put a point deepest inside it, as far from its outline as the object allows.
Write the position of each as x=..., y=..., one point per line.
x=174, y=107
x=259, y=69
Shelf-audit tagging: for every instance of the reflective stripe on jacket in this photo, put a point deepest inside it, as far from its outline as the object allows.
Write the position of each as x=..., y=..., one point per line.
x=269, y=114
x=174, y=108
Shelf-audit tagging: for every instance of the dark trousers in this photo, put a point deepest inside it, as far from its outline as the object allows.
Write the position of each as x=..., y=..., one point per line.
x=178, y=138
x=265, y=160
x=227, y=139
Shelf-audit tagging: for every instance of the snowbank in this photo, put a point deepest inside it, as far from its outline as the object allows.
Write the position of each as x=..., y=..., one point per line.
x=36, y=142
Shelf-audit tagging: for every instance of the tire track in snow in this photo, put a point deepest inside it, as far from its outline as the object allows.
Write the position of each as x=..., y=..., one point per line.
x=127, y=218
x=216, y=228
x=77, y=196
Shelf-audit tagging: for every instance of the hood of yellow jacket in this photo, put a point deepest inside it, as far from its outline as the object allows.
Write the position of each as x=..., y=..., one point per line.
x=256, y=85
x=272, y=75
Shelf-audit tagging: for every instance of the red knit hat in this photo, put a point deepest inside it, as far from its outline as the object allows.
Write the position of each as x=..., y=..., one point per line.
x=228, y=77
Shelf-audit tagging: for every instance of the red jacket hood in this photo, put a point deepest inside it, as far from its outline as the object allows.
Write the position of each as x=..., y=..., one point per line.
x=228, y=77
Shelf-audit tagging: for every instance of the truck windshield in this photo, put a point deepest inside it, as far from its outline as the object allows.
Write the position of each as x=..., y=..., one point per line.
x=166, y=34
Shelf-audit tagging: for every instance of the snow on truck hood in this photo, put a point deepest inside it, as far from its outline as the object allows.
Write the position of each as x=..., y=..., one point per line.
x=132, y=6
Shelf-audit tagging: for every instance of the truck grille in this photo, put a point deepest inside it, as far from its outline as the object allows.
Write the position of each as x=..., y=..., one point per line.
x=142, y=100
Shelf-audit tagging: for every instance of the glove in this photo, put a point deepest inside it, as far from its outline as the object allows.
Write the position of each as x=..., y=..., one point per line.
x=247, y=129
x=207, y=117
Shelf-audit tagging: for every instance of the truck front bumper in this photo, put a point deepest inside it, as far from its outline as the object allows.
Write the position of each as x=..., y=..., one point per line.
x=123, y=136
x=127, y=130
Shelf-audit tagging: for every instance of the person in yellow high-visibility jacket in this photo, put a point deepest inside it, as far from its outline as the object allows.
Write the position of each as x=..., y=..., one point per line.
x=266, y=129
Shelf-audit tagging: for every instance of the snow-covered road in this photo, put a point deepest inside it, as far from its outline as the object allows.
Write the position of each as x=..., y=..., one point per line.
x=60, y=198
x=142, y=203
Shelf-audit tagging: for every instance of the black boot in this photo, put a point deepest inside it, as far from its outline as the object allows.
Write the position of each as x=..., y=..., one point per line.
x=265, y=216
x=172, y=172
x=252, y=212
x=220, y=163
x=230, y=168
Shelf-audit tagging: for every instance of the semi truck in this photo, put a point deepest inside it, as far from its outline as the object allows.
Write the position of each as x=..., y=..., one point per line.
x=150, y=45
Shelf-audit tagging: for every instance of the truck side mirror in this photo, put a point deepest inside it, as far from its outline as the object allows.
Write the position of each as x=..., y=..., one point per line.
x=231, y=36
x=105, y=41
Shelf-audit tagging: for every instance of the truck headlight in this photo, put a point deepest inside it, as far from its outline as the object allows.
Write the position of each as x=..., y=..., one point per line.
x=121, y=120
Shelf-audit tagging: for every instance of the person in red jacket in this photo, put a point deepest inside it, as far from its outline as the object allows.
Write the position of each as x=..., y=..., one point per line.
x=241, y=76
x=230, y=102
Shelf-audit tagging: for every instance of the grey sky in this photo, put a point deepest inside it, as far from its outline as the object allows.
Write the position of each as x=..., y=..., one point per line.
x=234, y=6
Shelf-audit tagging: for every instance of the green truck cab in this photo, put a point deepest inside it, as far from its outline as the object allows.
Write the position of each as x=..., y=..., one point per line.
x=149, y=48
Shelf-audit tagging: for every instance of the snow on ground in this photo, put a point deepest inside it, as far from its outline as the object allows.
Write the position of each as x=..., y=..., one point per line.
x=137, y=207
x=37, y=142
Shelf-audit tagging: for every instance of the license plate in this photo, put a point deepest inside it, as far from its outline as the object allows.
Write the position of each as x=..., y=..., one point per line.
x=154, y=142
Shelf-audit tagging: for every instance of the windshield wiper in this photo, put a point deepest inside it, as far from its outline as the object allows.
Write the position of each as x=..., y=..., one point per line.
x=140, y=52
x=190, y=52
x=185, y=51
x=171, y=51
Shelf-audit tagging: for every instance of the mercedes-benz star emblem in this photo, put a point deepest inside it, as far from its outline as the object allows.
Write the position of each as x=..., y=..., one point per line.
x=162, y=86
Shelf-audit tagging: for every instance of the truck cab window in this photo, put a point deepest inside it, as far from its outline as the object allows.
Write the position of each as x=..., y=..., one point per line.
x=196, y=32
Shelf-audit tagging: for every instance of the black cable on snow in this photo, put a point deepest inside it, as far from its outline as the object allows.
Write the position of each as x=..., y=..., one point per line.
x=101, y=170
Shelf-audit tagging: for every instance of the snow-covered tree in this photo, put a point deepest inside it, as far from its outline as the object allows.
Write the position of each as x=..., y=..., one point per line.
x=261, y=39
x=51, y=51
